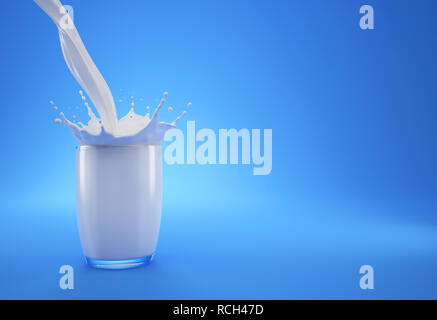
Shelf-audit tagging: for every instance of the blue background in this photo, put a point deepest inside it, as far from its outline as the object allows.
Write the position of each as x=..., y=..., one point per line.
x=353, y=115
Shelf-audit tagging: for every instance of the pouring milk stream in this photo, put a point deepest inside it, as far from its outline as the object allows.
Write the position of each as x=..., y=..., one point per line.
x=130, y=130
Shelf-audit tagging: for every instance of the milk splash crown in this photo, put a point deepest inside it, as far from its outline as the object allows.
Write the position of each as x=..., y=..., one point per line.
x=131, y=129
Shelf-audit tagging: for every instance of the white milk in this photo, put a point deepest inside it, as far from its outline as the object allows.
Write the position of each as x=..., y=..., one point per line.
x=119, y=201
x=81, y=65
x=118, y=164
x=133, y=128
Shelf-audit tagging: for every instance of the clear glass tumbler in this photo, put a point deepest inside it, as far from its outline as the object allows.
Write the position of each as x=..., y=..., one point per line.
x=119, y=195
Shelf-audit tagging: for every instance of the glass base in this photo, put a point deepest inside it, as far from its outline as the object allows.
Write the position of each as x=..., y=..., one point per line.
x=119, y=264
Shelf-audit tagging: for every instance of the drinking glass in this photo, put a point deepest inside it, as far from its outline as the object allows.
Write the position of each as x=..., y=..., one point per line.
x=119, y=195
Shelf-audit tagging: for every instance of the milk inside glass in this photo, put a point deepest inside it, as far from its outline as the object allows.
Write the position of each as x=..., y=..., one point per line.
x=119, y=192
x=119, y=174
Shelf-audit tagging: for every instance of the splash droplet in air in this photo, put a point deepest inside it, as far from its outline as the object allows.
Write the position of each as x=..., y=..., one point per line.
x=179, y=118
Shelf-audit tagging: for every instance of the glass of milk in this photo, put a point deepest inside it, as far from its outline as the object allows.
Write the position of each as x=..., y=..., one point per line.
x=119, y=195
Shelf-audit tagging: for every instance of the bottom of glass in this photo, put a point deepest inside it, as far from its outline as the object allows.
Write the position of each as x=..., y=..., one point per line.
x=119, y=264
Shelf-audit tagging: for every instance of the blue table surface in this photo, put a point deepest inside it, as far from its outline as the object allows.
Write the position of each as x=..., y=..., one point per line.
x=301, y=253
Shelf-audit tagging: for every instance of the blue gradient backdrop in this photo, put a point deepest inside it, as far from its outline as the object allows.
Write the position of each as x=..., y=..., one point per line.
x=353, y=115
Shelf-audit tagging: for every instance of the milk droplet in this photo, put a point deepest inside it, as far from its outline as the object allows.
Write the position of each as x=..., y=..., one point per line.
x=83, y=98
x=56, y=108
x=170, y=109
x=52, y=102
x=120, y=100
x=81, y=92
x=179, y=118
x=189, y=104
x=58, y=121
x=133, y=104
x=148, y=108
x=166, y=94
